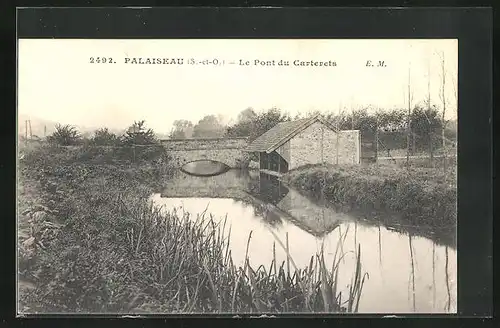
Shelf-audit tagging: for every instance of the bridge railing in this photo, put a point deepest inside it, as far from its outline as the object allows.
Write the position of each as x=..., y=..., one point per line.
x=205, y=143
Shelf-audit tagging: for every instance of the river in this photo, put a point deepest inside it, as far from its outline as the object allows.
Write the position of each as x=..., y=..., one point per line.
x=406, y=273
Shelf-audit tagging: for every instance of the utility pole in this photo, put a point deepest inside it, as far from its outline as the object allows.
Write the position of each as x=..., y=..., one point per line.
x=26, y=130
x=31, y=132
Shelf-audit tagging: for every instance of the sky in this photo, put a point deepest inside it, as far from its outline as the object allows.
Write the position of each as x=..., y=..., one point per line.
x=57, y=82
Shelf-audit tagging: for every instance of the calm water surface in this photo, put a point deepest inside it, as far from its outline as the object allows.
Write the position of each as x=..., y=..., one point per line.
x=407, y=273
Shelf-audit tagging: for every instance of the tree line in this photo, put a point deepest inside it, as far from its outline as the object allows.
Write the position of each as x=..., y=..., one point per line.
x=390, y=126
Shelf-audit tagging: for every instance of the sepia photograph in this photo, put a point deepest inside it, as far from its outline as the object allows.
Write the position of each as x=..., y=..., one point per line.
x=237, y=176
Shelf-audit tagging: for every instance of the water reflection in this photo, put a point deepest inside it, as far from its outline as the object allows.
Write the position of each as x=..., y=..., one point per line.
x=412, y=275
x=403, y=267
x=204, y=168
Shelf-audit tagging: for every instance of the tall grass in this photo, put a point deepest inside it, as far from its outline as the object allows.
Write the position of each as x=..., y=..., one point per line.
x=169, y=262
x=117, y=252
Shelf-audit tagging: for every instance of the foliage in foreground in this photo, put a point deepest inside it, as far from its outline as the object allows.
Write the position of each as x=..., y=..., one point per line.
x=112, y=251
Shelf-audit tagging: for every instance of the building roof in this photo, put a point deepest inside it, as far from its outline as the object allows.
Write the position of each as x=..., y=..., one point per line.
x=281, y=133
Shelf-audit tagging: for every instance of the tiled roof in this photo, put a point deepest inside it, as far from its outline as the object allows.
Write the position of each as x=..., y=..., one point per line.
x=279, y=134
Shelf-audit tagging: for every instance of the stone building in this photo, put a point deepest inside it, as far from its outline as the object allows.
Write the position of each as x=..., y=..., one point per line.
x=289, y=145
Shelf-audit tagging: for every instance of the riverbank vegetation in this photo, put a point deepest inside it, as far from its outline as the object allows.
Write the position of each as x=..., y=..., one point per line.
x=91, y=242
x=418, y=196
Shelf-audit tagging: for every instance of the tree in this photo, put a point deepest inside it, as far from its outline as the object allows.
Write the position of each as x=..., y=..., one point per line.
x=65, y=135
x=208, y=127
x=393, y=120
x=442, y=96
x=424, y=122
x=182, y=129
x=358, y=119
x=247, y=115
x=137, y=134
x=312, y=113
x=259, y=125
x=428, y=100
x=177, y=134
x=408, y=127
x=103, y=137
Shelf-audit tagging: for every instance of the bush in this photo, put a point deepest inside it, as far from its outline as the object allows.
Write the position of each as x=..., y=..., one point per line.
x=137, y=134
x=103, y=137
x=65, y=135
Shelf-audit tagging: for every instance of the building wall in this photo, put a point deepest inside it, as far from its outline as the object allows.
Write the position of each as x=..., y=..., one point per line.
x=284, y=151
x=349, y=147
x=318, y=144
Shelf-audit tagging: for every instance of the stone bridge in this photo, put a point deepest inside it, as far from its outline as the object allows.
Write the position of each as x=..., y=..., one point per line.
x=225, y=150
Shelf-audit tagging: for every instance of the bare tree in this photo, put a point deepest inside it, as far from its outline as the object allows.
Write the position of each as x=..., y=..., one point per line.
x=442, y=95
x=337, y=121
x=408, y=124
x=431, y=152
x=455, y=92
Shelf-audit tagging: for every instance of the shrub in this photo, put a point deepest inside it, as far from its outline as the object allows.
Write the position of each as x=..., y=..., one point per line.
x=65, y=135
x=103, y=137
x=137, y=134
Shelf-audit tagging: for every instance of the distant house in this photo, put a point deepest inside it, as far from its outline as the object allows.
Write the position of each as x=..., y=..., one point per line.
x=289, y=145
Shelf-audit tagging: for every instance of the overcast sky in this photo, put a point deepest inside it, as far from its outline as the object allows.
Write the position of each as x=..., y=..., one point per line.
x=57, y=81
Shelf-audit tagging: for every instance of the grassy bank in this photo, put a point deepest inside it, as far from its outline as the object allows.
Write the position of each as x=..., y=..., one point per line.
x=94, y=243
x=419, y=196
